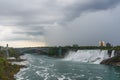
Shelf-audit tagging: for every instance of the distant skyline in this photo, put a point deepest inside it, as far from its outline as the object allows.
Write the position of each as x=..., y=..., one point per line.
x=30, y=23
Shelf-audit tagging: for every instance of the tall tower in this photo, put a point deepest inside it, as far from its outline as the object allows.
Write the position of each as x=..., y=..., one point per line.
x=6, y=45
x=7, y=53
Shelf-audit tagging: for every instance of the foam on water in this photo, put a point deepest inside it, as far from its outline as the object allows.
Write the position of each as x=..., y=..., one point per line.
x=91, y=56
x=19, y=75
x=63, y=78
x=22, y=62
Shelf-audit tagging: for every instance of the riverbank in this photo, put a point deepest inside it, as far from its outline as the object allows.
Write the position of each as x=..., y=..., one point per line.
x=16, y=60
x=7, y=70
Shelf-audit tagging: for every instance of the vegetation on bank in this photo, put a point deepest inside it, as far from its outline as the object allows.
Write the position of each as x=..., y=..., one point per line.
x=57, y=51
x=13, y=53
x=7, y=70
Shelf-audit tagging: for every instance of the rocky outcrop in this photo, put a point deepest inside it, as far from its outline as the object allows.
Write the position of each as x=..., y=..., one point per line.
x=114, y=60
x=117, y=53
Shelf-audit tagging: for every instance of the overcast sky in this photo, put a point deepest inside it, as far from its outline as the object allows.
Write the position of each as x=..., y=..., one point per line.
x=59, y=22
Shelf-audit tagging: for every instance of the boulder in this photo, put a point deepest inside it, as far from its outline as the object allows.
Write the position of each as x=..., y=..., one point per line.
x=112, y=61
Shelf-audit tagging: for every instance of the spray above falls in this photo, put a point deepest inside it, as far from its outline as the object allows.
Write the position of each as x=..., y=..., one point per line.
x=90, y=56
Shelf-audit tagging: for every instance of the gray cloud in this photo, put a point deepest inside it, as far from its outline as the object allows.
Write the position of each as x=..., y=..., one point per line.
x=74, y=11
x=30, y=33
x=28, y=19
x=89, y=29
x=29, y=12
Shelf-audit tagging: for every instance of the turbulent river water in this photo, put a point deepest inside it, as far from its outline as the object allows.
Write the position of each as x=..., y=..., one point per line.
x=41, y=67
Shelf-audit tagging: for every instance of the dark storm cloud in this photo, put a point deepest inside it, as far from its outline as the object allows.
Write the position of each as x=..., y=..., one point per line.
x=29, y=12
x=74, y=11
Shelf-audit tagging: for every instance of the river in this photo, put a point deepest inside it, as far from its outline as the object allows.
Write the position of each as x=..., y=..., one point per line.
x=40, y=67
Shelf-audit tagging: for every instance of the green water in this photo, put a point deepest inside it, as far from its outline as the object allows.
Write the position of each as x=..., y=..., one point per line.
x=47, y=68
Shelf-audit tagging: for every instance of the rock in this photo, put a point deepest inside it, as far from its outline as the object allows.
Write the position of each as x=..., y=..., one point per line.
x=112, y=61
x=117, y=52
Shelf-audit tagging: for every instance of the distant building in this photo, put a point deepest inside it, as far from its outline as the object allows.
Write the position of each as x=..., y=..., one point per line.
x=108, y=45
x=102, y=44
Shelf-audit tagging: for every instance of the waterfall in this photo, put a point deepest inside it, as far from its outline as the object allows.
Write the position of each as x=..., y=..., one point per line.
x=7, y=53
x=91, y=56
x=113, y=53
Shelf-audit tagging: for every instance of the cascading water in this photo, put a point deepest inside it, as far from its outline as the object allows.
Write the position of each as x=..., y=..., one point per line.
x=91, y=56
x=113, y=53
